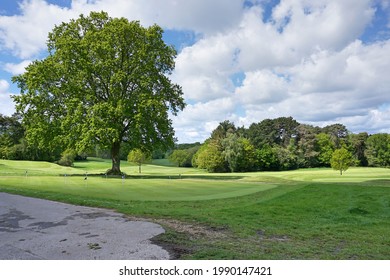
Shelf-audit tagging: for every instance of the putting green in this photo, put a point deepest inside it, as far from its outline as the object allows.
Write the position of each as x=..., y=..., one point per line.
x=134, y=189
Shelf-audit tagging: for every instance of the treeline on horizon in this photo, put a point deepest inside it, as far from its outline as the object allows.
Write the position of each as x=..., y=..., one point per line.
x=281, y=144
x=269, y=145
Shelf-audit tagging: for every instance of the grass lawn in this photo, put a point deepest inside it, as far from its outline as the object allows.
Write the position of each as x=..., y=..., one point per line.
x=302, y=214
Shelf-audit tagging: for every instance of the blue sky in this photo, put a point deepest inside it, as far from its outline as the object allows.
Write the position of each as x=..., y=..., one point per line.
x=321, y=62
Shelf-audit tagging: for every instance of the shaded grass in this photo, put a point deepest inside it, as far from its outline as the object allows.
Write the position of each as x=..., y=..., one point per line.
x=305, y=214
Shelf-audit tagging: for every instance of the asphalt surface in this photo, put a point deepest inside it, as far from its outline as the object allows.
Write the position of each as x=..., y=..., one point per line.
x=37, y=229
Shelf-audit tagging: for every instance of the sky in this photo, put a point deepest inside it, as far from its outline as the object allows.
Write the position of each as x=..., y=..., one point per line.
x=318, y=61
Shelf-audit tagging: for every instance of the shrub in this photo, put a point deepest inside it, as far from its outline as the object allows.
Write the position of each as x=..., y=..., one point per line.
x=67, y=157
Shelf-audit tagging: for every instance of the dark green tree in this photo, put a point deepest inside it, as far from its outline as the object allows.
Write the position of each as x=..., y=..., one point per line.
x=105, y=81
x=262, y=133
x=378, y=150
x=13, y=144
x=223, y=130
x=277, y=131
x=239, y=153
x=325, y=147
x=358, y=146
x=306, y=143
x=11, y=130
x=266, y=159
x=338, y=134
x=210, y=157
x=286, y=129
x=181, y=158
x=286, y=158
x=185, y=154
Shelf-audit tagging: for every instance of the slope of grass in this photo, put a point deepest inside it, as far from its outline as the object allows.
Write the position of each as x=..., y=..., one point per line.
x=302, y=214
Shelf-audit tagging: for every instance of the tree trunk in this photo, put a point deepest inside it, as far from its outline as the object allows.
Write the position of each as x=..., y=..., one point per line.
x=116, y=161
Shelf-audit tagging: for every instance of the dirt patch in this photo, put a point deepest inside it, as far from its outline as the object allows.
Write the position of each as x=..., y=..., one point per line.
x=191, y=229
x=262, y=236
x=179, y=237
x=194, y=230
x=176, y=250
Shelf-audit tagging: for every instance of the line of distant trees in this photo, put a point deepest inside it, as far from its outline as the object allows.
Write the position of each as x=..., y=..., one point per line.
x=271, y=144
x=282, y=144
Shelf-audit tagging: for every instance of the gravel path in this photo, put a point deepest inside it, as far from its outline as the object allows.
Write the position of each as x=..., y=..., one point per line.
x=33, y=228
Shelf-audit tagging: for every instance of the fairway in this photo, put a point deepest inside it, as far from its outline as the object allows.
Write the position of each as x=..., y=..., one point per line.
x=300, y=214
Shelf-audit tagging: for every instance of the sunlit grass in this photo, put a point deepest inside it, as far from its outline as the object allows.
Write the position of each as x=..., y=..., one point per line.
x=133, y=189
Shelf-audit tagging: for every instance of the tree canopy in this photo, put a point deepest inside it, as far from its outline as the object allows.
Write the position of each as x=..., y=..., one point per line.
x=139, y=157
x=341, y=160
x=105, y=81
x=10, y=129
x=378, y=150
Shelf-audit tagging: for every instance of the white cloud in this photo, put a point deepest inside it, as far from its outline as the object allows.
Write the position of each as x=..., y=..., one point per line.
x=25, y=35
x=260, y=44
x=218, y=109
x=7, y=106
x=201, y=16
x=378, y=120
x=357, y=67
x=204, y=69
x=297, y=28
x=4, y=86
x=17, y=68
x=324, y=23
x=197, y=121
x=355, y=78
x=262, y=87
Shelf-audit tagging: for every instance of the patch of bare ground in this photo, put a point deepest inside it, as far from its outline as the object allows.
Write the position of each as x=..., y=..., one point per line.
x=262, y=236
x=194, y=230
x=179, y=237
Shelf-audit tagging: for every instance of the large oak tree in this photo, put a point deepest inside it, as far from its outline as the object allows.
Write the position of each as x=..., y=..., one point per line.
x=105, y=81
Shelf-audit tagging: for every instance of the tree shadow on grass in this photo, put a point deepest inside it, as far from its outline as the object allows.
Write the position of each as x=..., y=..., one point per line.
x=79, y=167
